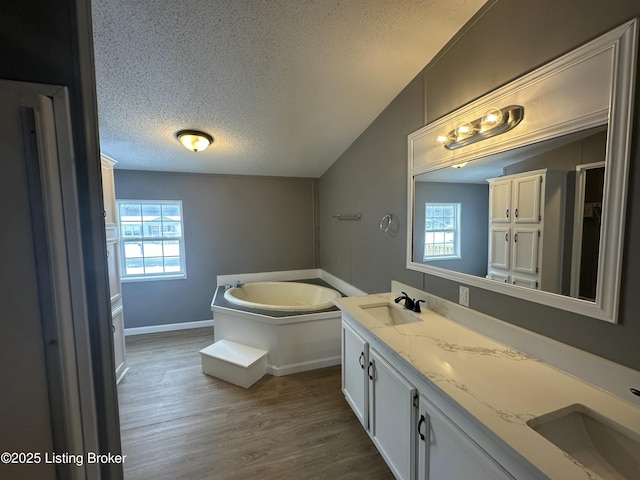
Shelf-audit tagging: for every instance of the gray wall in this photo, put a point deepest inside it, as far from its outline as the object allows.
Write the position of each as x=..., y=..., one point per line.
x=370, y=177
x=232, y=224
x=503, y=42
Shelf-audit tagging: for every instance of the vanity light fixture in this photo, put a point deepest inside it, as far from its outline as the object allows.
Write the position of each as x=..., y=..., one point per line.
x=194, y=140
x=493, y=122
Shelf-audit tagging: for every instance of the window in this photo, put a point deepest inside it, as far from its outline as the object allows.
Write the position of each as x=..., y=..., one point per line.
x=151, y=239
x=442, y=231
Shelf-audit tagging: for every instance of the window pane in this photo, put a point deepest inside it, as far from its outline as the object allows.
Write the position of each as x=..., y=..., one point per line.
x=132, y=249
x=150, y=210
x=131, y=210
x=171, y=210
x=131, y=229
x=153, y=265
x=152, y=229
x=133, y=266
x=171, y=229
x=152, y=249
x=172, y=264
x=171, y=248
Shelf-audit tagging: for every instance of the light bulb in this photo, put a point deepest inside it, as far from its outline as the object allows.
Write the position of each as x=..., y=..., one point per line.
x=464, y=130
x=443, y=138
x=491, y=119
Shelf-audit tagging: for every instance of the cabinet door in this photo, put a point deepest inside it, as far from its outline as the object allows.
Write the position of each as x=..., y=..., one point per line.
x=392, y=416
x=119, y=349
x=498, y=277
x=524, y=282
x=499, y=247
x=445, y=452
x=526, y=202
x=114, y=278
x=525, y=250
x=500, y=201
x=355, y=359
x=108, y=193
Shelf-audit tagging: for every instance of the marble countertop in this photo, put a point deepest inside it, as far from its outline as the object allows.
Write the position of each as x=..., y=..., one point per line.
x=500, y=387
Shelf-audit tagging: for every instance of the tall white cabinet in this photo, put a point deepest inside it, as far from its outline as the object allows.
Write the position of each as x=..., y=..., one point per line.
x=115, y=291
x=526, y=212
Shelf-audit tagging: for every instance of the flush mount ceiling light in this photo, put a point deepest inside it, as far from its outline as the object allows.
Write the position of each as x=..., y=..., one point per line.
x=194, y=140
x=494, y=122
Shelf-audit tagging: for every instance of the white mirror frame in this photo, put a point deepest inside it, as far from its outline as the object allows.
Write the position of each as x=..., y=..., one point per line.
x=589, y=86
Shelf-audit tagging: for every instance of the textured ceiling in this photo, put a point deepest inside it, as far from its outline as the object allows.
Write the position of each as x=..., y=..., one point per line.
x=284, y=86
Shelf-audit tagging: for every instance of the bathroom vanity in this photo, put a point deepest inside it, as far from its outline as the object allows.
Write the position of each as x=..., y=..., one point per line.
x=442, y=400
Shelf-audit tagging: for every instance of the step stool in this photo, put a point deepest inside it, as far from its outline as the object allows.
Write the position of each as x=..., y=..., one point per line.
x=233, y=362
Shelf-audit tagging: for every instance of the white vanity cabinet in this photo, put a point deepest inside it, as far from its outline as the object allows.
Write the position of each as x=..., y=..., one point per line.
x=355, y=360
x=413, y=434
x=382, y=399
x=392, y=415
x=115, y=292
x=526, y=211
x=446, y=452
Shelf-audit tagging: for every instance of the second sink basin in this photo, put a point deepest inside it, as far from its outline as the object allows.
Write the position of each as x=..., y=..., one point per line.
x=599, y=444
x=389, y=314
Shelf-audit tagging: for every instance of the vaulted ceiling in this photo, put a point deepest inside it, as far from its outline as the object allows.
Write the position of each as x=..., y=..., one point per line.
x=283, y=86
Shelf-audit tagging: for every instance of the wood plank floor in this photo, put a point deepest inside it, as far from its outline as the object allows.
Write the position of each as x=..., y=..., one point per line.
x=178, y=423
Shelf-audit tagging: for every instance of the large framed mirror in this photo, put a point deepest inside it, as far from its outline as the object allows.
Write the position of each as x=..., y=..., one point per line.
x=523, y=191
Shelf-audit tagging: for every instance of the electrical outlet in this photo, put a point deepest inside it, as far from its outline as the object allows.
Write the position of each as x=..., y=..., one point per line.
x=464, y=296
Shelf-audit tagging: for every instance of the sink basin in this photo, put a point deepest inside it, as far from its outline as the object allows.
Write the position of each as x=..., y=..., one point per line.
x=603, y=446
x=389, y=314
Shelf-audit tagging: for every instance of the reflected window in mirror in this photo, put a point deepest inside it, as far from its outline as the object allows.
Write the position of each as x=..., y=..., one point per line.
x=442, y=231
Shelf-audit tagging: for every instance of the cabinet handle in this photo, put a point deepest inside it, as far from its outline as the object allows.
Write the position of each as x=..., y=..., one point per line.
x=422, y=420
x=507, y=213
x=516, y=213
x=361, y=360
x=506, y=237
x=369, y=371
x=515, y=238
x=114, y=328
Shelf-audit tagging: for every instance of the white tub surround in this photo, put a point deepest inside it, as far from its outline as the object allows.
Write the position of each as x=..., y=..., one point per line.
x=291, y=275
x=282, y=296
x=484, y=390
x=296, y=341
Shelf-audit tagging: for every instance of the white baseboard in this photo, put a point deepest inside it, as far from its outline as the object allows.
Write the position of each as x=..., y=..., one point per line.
x=170, y=327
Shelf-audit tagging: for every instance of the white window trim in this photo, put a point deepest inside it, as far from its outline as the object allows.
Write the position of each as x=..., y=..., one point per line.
x=124, y=278
x=458, y=234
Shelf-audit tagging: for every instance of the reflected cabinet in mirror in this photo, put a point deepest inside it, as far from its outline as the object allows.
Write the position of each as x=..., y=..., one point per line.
x=523, y=191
